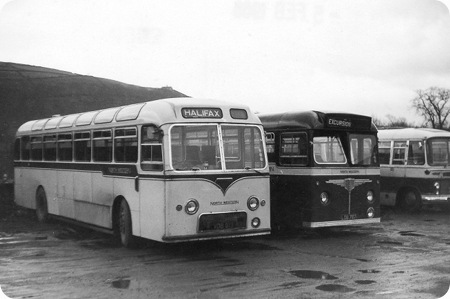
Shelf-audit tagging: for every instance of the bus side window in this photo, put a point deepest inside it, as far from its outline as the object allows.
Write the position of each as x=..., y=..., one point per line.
x=65, y=147
x=151, y=149
x=82, y=146
x=294, y=149
x=36, y=148
x=384, y=152
x=25, y=148
x=399, y=153
x=416, y=154
x=50, y=148
x=102, y=142
x=125, y=145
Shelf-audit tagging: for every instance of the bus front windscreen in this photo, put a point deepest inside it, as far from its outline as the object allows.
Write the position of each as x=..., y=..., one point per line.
x=328, y=150
x=437, y=151
x=196, y=147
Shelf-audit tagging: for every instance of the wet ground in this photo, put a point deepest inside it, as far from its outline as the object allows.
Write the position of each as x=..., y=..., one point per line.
x=406, y=256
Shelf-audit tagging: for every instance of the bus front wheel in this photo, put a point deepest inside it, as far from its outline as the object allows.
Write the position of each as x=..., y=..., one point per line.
x=410, y=201
x=41, y=206
x=124, y=225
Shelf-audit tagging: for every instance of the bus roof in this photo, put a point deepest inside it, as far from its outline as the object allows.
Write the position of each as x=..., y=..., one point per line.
x=411, y=133
x=156, y=112
x=317, y=120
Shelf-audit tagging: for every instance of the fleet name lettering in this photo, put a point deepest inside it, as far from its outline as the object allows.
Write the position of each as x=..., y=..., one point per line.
x=201, y=113
x=222, y=203
x=117, y=170
x=340, y=123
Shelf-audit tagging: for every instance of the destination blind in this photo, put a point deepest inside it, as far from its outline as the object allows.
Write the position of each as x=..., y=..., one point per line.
x=201, y=112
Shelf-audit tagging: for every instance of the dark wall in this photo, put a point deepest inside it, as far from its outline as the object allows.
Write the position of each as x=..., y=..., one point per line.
x=32, y=92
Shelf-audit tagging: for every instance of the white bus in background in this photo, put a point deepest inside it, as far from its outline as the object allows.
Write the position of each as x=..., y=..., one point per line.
x=169, y=170
x=414, y=166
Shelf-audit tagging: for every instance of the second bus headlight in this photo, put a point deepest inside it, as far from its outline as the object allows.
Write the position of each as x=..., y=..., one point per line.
x=191, y=207
x=252, y=203
x=370, y=196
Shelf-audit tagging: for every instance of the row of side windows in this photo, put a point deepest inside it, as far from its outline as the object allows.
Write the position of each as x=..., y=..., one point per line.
x=83, y=146
x=414, y=150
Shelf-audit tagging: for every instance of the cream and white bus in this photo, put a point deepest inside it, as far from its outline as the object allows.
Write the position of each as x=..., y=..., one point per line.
x=169, y=170
x=414, y=166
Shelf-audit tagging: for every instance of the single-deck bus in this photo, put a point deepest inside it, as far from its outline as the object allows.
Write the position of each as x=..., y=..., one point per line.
x=323, y=169
x=169, y=170
x=414, y=167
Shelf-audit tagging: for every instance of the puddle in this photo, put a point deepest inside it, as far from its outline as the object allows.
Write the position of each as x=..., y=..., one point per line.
x=365, y=281
x=398, y=272
x=312, y=274
x=121, y=284
x=335, y=288
x=410, y=233
x=369, y=271
x=363, y=260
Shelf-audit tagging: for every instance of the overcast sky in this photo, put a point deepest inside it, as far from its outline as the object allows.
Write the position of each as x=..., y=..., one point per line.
x=360, y=56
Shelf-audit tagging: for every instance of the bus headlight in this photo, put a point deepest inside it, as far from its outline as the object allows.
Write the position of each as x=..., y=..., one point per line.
x=252, y=203
x=370, y=196
x=191, y=207
x=324, y=198
x=437, y=186
x=370, y=212
x=256, y=222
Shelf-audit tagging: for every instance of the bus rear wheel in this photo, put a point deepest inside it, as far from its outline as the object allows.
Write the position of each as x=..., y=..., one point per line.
x=410, y=201
x=124, y=225
x=41, y=206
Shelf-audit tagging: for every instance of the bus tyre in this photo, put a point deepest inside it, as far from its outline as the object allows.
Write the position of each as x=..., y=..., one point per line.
x=41, y=206
x=124, y=225
x=410, y=201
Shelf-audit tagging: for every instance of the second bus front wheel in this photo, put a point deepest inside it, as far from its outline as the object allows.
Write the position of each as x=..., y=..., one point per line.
x=41, y=206
x=410, y=200
x=125, y=225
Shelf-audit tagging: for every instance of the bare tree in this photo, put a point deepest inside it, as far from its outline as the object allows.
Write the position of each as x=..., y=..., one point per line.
x=392, y=122
x=433, y=105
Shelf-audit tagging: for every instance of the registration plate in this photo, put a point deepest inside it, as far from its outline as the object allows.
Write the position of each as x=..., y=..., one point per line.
x=348, y=217
x=223, y=221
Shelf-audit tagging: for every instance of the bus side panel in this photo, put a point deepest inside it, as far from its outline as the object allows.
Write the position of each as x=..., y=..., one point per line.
x=152, y=203
x=125, y=187
x=19, y=189
x=392, y=179
x=65, y=193
x=97, y=212
x=82, y=186
x=28, y=180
